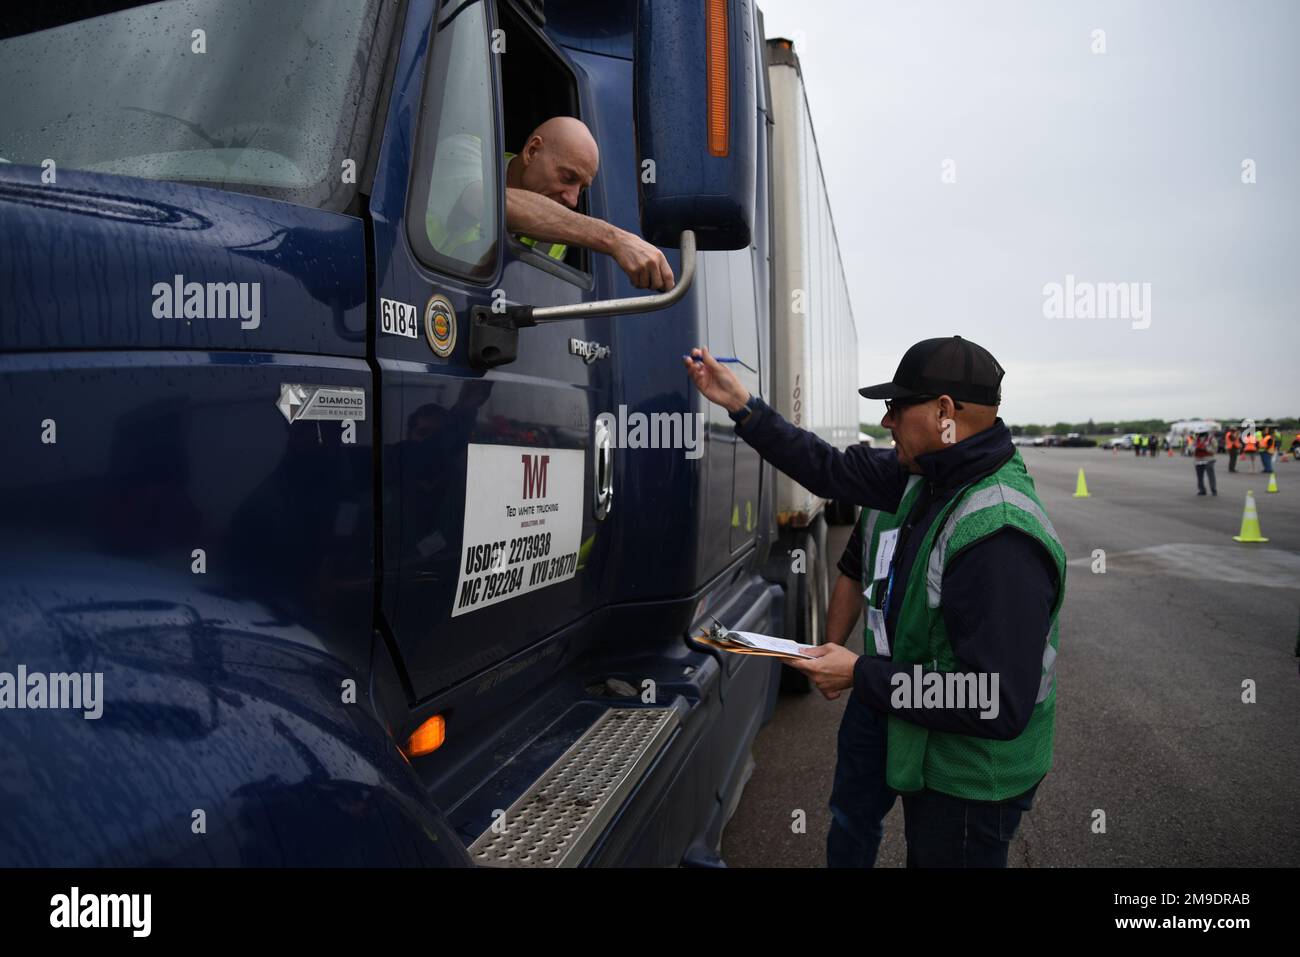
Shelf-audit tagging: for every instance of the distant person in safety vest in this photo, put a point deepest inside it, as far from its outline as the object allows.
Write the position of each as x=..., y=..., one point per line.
x=953, y=701
x=1249, y=445
x=1267, y=448
x=1232, y=441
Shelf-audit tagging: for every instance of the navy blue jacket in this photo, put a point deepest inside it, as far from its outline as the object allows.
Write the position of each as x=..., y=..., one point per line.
x=997, y=594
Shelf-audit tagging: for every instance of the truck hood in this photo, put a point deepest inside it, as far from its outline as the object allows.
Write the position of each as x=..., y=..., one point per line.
x=94, y=261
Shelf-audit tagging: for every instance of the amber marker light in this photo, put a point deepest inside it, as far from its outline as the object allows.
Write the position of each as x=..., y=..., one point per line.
x=719, y=112
x=428, y=737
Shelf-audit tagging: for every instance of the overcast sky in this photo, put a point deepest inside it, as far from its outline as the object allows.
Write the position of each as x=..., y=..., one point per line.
x=1115, y=167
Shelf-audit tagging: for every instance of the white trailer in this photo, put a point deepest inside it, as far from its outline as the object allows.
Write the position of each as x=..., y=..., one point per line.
x=814, y=349
x=814, y=338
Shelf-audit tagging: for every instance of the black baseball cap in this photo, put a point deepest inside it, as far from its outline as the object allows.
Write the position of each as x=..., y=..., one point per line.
x=951, y=366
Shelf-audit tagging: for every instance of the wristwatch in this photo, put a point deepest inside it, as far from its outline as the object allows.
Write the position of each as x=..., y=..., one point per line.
x=741, y=415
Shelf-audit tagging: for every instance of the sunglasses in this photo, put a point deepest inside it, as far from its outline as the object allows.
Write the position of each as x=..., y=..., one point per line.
x=897, y=405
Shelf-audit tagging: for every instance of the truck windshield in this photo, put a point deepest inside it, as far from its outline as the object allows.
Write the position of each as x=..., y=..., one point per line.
x=249, y=95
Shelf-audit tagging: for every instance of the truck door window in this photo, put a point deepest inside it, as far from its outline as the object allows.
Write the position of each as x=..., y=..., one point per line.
x=536, y=85
x=456, y=175
x=745, y=310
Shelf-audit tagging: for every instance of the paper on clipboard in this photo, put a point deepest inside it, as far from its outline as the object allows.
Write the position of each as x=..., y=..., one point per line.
x=750, y=643
x=782, y=646
x=742, y=650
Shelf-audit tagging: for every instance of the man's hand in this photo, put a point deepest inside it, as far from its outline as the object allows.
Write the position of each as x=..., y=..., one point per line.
x=716, y=381
x=831, y=670
x=542, y=218
x=644, y=264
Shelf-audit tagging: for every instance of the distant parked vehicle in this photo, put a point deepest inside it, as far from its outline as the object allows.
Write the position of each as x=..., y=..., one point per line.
x=1180, y=430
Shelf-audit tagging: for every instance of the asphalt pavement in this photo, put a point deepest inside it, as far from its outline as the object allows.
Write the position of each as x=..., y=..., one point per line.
x=1151, y=728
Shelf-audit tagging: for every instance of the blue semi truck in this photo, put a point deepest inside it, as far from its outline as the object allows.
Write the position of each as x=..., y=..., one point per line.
x=326, y=542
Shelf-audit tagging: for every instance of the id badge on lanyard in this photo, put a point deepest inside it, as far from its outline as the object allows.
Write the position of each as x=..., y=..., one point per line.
x=885, y=565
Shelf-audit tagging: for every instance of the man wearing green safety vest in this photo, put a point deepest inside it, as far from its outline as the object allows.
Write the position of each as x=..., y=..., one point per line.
x=953, y=702
x=543, y=183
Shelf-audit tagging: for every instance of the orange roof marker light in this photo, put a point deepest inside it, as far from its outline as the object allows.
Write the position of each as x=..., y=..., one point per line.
x=719, y=105
x=427, y=738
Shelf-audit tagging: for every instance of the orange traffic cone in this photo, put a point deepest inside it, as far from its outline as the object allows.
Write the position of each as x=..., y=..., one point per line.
x=1250, y=531
x=1081, y=487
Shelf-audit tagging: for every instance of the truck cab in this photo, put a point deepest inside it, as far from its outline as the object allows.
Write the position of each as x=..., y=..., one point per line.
x=360, y=541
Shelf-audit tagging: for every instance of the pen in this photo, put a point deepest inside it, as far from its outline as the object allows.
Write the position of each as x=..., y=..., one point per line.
x=715, y=358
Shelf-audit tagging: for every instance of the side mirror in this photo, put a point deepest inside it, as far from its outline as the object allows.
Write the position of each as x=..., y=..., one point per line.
x=696, y=99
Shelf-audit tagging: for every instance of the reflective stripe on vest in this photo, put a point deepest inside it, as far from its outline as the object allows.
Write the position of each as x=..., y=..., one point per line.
x=991, y=497
x=976, y=502
x=554, y=250
x=1049, y=670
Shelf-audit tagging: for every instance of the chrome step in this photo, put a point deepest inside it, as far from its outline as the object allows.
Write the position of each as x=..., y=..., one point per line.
x=558, y=819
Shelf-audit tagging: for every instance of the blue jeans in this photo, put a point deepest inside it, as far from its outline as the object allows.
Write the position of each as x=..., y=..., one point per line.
x=860, y=799
x=944, y=831
x=1267, y=459
x=1204, y=469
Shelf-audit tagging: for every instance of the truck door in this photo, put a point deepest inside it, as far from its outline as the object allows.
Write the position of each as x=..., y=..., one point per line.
x=488, y=514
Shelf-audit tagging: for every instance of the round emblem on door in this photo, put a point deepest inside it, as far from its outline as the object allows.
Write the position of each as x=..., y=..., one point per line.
x=440, y=325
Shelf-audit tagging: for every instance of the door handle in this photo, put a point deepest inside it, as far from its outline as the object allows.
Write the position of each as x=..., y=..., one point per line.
x=603, y=464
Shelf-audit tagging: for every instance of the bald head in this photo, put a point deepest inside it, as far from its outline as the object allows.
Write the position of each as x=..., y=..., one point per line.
x=559, y=160
x=570, y=137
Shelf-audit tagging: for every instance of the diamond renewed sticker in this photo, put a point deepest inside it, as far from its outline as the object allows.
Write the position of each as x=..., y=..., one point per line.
x=307, y=402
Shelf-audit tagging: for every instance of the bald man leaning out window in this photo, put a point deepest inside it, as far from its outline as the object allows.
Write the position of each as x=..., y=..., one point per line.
x=543, y=183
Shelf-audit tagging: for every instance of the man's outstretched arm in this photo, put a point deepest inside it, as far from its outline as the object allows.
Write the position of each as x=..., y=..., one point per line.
x=868, y=477
x=540, y=217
